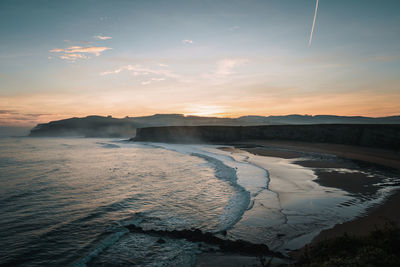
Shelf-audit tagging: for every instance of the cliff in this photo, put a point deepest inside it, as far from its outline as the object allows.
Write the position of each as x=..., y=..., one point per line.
x=91, y=126
x=99, y=126
x=385, y=136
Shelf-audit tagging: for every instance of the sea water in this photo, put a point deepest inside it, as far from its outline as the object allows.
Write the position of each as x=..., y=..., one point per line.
x=66, y=201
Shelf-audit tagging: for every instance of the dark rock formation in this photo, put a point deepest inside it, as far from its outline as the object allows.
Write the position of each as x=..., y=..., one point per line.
x=369, y=135
x=235, y=246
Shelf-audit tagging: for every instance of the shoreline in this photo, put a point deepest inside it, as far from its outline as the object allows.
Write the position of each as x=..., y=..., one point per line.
x=335, y=167
x=383, y=157
x=376, y=215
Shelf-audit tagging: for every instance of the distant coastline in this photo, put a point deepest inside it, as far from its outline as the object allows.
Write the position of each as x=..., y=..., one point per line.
x=100, y=126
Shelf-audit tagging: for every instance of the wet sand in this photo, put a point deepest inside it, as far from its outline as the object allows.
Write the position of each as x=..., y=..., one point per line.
x=327, y=161
x=387, y=158
x=376, y=216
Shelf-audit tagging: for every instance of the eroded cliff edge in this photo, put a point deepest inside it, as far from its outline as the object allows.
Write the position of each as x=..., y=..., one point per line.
x=386, y=136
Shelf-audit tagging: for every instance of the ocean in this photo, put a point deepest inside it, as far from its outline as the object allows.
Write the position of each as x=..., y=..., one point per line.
x=67, y=201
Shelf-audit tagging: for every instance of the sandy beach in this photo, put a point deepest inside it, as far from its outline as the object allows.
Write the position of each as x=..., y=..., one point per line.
x=288, y=149
x=329, y=162
x=350, y=182
x=376, y=216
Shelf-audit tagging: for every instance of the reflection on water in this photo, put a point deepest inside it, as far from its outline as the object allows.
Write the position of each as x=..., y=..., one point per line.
x=60, y=197
x=66, y=200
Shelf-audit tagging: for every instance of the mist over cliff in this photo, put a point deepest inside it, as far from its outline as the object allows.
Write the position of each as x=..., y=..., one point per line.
x=100, y=126
x=385, y=136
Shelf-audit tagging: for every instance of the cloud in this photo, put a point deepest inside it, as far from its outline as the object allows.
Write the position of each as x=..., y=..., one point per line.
x=138, y=70
x=12, y=112
x=11, y=117
x=96, y=50
x=79, y=52
x=149, y=75
x=234, y=28
x=186, y=41
x=73, y=56
x=226, y=66
x=102, y=37
x=57, y=50
x=6, y=111
x=152, y=80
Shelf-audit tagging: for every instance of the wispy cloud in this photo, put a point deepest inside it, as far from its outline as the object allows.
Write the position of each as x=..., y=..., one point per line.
x=187, y=41
x=79, y=52
x=73, y=56
x=226, y=66
x=234, y=28
x=150, y=75
x=13, y=112
x=138, y=70
x=57, y=50
x=100, y=37
x=152, y=80
x=96, y=50
x=7, y=111
x=12, y=117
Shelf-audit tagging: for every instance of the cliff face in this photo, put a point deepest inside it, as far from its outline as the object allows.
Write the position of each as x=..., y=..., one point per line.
x=380, y=136
x=98, y=126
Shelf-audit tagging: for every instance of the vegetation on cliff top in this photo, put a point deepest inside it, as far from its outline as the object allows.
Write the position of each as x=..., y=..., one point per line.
x=380, y=248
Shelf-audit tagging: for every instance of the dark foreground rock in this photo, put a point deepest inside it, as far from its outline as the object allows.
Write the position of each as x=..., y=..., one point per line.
x=386, y=136
x=380, y=248
x=225, y=245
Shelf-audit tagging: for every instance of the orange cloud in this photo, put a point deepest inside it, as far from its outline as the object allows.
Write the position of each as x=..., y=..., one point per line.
x=78, y=52
x=73, y=56
x=96, y=50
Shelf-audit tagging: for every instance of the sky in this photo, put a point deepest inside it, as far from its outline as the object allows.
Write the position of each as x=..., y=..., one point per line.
x=61, y=59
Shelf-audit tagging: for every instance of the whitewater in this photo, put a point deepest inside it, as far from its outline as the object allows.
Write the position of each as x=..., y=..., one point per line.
x=67, y=201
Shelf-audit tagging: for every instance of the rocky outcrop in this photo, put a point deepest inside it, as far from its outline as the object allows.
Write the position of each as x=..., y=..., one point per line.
x=381, y=136
x=195, y=235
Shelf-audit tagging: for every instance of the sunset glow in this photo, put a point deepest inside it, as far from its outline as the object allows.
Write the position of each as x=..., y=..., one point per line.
x=197, y=58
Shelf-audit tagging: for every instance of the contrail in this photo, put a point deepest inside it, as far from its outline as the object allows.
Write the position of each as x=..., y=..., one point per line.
x=313, y=24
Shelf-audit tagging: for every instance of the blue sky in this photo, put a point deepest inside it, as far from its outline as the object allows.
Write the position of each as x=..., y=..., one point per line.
x=218, y=58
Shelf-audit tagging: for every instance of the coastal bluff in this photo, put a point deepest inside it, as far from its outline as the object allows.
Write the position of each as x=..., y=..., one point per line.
x=385, y=136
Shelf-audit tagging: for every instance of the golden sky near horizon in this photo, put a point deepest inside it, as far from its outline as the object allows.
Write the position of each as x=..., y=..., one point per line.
x=205, y=58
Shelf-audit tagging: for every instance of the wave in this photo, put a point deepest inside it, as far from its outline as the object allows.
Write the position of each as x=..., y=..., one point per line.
x=107, y=242
x=239, y=202
x=101, y=247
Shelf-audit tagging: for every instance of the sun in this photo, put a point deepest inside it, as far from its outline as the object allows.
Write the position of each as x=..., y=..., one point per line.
x=205, y=111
